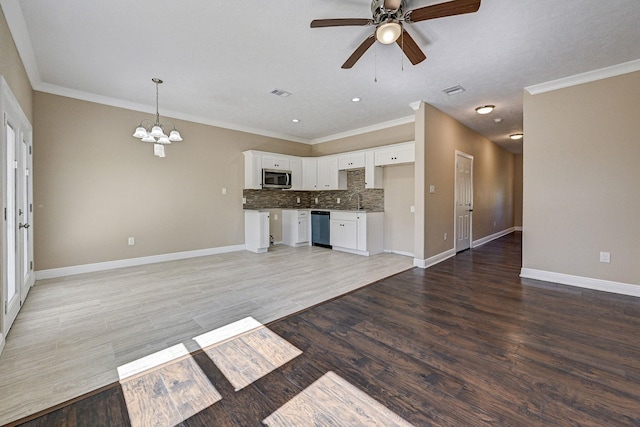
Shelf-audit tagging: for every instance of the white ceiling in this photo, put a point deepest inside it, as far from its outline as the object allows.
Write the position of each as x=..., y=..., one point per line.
x=220, y=60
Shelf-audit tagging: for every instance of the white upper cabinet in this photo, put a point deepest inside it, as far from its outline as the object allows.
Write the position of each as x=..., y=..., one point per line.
x=351, y=161
x=329, y=177
x=276, y=162
x=309, y=174
x=295, y=166
x=401, y=153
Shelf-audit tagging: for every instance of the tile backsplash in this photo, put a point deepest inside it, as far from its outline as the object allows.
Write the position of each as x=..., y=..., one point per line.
x=370, y=199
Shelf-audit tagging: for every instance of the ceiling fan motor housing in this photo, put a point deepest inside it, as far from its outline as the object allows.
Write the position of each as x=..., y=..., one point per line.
x=382, y=14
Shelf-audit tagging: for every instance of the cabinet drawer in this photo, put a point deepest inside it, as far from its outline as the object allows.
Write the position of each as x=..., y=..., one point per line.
x=344, y=216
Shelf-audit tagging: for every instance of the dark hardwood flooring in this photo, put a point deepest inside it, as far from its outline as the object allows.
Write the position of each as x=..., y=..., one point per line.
x=464, y=343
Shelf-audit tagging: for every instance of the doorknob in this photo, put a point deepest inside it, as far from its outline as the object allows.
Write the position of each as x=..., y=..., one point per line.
x=25, y=226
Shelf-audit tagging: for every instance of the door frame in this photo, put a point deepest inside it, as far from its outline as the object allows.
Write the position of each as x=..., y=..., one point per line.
x=455, y=200
x=12, y=113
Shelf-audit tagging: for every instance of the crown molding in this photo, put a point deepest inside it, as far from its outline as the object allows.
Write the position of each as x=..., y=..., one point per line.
x=588, y=77
x=366, y=129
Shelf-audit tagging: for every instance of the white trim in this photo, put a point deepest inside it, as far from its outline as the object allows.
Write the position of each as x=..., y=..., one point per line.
x=491, y=237
x=582, y=282
x=366, y=129
x=518, y=228
x=426, y=263
x=350, y=251
x=133, y=262
x=403, y=253
x=1, y=343
x=589, y=76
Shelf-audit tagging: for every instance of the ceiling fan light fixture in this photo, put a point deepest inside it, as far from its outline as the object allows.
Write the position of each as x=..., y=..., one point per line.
x=485, y=109
x=516, y=136
x=389, y=32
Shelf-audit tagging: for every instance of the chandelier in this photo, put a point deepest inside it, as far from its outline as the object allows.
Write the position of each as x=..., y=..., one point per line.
x=154, y=132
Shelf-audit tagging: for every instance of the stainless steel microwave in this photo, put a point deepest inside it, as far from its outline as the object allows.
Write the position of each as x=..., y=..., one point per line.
x=272, y=178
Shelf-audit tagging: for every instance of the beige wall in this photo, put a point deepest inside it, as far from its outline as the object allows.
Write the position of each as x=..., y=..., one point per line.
x=12, y=69
x=95, y=185
x=493, y=169
x=517, y=190
x=398, y=198
x=581, y=176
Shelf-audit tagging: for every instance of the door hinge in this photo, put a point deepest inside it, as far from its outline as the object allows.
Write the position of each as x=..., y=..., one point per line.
x=4, y=119
x=15, y=164
x=29, y=149
x=30, y=207
x=31, y=265
x=5, y=214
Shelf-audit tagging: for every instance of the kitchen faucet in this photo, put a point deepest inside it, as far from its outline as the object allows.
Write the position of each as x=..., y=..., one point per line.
x=358, y=197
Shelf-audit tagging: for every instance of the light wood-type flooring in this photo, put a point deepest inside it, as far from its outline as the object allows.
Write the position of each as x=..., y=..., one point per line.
x=73, y=333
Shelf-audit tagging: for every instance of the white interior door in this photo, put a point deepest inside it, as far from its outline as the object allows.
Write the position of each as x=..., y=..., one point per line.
x=464, y=201
x=11, y=289
x=17, y=210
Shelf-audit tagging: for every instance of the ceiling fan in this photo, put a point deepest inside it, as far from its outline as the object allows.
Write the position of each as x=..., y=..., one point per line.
x=388, y=18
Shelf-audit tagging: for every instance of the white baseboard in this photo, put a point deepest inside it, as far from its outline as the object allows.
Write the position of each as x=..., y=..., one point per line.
x=403, y=253
x=582, y=282
x=426, y=263
x=1, y=342
x=491, y=237
x=518, y=228
x=133, y=262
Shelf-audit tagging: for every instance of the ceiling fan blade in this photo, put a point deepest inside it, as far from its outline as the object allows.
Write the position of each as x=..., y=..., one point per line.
x=359, y=51
x=340, y=22
x=410, y=48
x=455, y=7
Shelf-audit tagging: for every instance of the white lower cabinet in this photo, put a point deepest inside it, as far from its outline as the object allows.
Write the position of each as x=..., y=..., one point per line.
x=256, y=231
x=357, y=232
x=295, y=227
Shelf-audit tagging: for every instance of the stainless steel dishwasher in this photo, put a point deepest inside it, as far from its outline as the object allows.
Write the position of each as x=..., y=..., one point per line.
x=320, y=229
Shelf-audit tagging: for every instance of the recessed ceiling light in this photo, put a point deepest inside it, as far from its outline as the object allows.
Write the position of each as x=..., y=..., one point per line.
x=485, y=109
x=356, y=99
x=498, y=120
x=295, y=120
x=516, y=136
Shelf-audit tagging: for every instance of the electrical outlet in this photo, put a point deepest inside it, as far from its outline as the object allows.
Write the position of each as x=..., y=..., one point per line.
x=413, y=209
x=132, y=241
x=244, y=200
x=605, y=257
x=338, y=200
x=297, y=199
x=224, y=190
x=445, y=236
x=316, y=200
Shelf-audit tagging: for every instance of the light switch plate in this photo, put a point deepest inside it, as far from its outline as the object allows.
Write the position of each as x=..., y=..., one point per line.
x=605, y=257
x=432, y=189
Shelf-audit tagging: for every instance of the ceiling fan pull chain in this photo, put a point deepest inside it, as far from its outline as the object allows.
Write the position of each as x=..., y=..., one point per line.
x=375, y=63
x=402, y=50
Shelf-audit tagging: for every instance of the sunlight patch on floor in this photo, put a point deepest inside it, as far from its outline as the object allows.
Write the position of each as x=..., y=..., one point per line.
x=332, y=401
x=165, y=388
x=246, y=351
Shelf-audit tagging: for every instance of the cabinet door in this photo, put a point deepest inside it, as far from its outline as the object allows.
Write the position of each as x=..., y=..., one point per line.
x=373, y=177
x=264, y=229
x=275, y=162
x=328, y=173
x=362, y=231
x=357, y=161
x=303, y=230
x=309, y=174
x=343, y=234
x=405, y=154
x=384, y=157
x=296, y=173
x=252, y=170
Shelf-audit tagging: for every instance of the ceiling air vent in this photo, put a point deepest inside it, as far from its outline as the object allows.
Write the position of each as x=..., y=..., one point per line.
x=454, y=90
x=281, y=93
